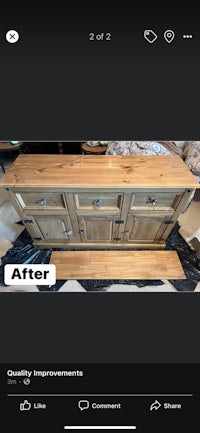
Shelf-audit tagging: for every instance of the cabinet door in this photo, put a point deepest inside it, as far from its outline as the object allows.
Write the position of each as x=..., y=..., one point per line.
x=146, y=227
x=98, y=228
x=51, y=228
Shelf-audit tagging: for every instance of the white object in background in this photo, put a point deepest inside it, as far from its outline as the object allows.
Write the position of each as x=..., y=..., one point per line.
x=195, y=241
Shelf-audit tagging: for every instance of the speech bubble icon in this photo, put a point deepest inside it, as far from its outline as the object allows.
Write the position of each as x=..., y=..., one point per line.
x=83, y=404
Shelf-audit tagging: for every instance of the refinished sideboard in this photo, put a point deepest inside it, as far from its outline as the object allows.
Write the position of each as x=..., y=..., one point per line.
x=99, y=202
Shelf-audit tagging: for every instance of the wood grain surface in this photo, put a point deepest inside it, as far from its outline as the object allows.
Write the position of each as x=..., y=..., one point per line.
x=102, y=171
x=91, y=265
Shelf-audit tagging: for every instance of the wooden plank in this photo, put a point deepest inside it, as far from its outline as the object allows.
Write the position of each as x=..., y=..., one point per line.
x=102, y=171
x=100, y=245
x=91, y=265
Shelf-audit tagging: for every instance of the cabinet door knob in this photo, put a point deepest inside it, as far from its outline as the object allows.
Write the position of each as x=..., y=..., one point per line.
x=97, y=202
x=154, y=202
x=42, y=201
x=81, y=232
x=69, y=232
x=127, y=232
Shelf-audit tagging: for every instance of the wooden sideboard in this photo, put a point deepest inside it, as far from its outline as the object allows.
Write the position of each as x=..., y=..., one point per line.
x=99, y=202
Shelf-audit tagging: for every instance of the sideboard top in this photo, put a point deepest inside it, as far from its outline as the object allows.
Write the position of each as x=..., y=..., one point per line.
x=102, y=171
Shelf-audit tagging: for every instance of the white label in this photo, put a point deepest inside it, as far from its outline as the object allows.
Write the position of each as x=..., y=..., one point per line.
x=24, y=275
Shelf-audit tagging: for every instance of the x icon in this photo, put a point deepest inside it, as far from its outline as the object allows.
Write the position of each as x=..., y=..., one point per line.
x=12, y=36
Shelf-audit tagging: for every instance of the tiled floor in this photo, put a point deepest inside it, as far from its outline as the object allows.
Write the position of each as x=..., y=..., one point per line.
x=9, y=231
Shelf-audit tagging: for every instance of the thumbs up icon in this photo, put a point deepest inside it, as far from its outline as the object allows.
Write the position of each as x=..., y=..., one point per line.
x=25, y=406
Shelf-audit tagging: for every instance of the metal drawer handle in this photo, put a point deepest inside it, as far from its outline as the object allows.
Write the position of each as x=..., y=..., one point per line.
x=42, y=201
x=97, y=202
x=81, y=232
x=154, y=202
x=127, y=232
x=69, y=232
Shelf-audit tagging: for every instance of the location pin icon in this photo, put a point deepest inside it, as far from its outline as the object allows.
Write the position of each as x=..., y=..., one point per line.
x=169, y=36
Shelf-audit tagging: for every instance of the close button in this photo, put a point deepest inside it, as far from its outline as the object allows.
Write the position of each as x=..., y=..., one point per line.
x=12, y=36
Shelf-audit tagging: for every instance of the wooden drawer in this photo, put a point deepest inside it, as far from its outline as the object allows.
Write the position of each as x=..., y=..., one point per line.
x=97, y=201
x=40, y=200
x=155, y=199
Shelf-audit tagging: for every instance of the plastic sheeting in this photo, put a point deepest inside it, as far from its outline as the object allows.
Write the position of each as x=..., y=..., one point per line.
x=102, y=285
x=24, y=252
x=188, y=259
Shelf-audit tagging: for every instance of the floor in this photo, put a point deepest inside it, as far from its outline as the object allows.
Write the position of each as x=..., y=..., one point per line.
x=9, y=231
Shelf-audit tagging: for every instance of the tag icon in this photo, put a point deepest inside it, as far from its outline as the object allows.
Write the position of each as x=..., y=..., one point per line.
x=150, y=36
x=169, y=36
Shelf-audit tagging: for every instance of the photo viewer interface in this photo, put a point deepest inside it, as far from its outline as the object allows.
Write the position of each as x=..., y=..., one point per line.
x=99, y=169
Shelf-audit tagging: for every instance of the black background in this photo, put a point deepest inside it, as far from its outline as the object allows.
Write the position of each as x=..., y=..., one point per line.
x=100, y=327
x=55, y=84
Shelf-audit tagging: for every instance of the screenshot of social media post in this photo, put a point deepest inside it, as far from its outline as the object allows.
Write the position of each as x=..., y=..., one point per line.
x=101, y=397
x=100, y=216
